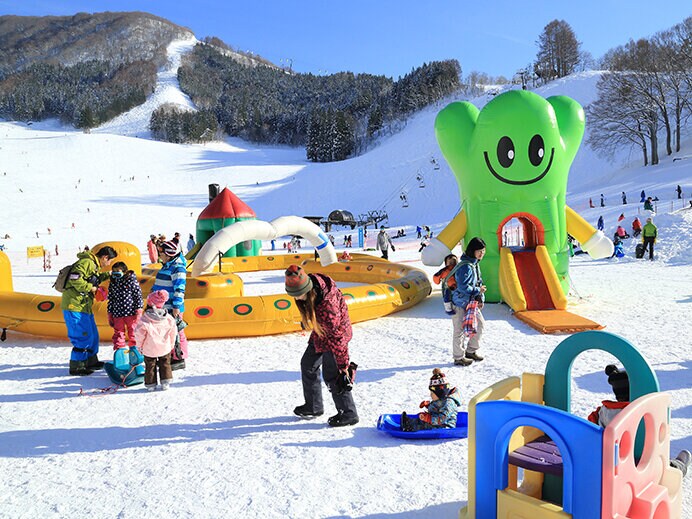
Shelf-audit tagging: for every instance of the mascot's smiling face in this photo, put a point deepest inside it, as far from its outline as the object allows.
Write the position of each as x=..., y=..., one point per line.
x=519, y=146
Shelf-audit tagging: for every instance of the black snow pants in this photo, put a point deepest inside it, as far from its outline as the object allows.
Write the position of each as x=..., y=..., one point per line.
x=312, y=387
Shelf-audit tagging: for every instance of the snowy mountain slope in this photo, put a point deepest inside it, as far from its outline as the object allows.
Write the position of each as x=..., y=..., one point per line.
x=135, y=123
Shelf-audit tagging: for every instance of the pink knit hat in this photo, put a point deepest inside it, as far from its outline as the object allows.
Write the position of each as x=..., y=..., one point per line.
x=157, y=299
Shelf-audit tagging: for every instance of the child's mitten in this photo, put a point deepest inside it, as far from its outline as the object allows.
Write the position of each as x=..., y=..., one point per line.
x=425, y=417
x=424, y=403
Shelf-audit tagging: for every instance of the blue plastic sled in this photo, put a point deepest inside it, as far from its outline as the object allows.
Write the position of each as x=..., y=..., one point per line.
x=127, y=368
x=391, y=424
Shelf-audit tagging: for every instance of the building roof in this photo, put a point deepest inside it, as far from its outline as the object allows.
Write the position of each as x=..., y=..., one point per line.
x=226, y=205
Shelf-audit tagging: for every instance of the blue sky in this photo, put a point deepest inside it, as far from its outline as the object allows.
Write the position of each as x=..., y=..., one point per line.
x=387, y=37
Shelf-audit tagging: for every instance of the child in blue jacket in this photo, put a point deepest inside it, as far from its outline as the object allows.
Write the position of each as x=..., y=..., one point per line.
x=442, y=408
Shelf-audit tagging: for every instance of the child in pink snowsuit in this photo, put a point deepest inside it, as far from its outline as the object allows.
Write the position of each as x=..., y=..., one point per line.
x=124, y=305
x=155, y=333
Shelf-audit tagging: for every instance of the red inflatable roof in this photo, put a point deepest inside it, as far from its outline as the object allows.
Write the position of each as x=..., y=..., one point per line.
x=226, y=205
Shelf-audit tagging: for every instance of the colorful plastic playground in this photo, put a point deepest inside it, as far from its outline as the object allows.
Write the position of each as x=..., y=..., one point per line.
x=571, y=467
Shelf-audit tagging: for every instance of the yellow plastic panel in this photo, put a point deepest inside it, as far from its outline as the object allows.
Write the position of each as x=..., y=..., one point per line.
x=514, y=505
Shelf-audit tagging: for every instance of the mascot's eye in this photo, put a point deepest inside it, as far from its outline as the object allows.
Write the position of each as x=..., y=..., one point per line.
x=505, y=152
x=536, y=150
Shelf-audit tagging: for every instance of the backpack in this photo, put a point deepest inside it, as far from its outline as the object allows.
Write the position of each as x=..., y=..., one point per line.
x=62, y=278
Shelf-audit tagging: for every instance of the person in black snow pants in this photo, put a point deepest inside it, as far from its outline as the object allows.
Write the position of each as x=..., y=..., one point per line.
x=323, y=310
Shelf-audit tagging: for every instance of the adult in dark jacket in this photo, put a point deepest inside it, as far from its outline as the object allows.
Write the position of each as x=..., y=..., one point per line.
x=76, y=305
x=323, y=310
x=469, y=288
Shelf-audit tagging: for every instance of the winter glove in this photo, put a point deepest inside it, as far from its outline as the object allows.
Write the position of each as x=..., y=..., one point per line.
x=449, y=309
x=425, y=417
x=435, y=253
x=598, y=246
x=424, y=403
x=111, y=323
x=352, y=368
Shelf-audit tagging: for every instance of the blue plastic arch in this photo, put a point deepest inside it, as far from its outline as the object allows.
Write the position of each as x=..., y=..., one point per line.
x=495, y=423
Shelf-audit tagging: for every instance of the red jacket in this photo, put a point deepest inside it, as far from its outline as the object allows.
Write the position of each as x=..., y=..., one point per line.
x=331, y=313
x=153, y=253
x=605, y=413
x=443, y=273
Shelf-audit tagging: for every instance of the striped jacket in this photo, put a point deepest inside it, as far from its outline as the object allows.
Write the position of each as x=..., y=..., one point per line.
x=172, y=279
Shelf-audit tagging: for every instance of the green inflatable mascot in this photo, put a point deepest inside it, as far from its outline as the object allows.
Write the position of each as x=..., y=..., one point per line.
x=511, y=161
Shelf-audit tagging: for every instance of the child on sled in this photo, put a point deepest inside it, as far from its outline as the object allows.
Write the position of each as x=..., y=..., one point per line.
x=441, y=410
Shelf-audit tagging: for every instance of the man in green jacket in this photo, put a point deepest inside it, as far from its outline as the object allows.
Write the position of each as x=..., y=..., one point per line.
x=77, y=300
x=649, y=234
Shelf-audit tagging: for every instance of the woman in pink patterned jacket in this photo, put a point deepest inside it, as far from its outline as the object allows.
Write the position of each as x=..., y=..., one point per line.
x=323, y=310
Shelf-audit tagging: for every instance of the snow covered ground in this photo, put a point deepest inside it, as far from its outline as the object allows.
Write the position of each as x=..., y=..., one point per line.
x=223, y=442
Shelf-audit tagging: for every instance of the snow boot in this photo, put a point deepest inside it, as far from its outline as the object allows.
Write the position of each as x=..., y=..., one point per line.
x=474, y=356
x=682, y=461
x=94, y=363
x=79, y=367
x=305, y=412
x=463, y=362
x=404, y=422
x=177, y=364
x=340, y=420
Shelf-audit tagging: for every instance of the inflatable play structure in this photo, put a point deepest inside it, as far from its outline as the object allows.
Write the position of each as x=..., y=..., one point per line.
x=571, y=467
x=215, y=304
x=225, y=209
x=511, y=161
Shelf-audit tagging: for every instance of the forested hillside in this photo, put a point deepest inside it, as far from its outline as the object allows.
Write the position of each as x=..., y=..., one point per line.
x=84, y=69
x=332, y=115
